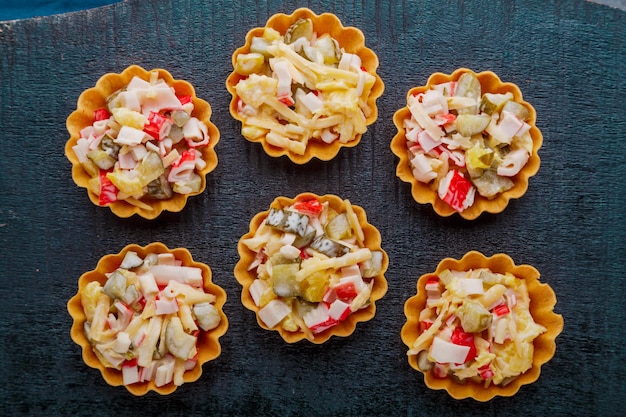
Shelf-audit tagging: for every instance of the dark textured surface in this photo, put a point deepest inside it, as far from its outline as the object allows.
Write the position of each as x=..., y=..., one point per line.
x=566, y=56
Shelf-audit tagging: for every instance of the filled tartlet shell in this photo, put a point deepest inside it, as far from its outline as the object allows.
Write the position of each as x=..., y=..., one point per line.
x=427, y=193
x=208, y=344
x=351, y=39
x=542, y=302
x=345, y=328
x=95, y=98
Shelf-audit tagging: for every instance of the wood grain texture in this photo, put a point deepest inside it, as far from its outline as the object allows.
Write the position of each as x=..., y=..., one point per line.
x=568, y=59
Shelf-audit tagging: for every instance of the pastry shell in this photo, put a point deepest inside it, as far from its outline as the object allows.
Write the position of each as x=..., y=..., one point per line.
x=343, y=329
x=427, y=193
x=95, y=98
x=351, y=39
x=208, y=344
x=542, y=302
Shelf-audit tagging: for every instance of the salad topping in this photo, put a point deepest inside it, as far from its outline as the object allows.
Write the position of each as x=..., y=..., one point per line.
x=301, y=86
x=312, y=269
x=144, y=145
x=465, y=141
x=476, y=325
x=146, y=319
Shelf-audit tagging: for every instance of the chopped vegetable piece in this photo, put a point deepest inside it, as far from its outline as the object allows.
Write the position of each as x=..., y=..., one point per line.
x=339, y=227
x=284, y=281
x=474, y=317
x=329, y=247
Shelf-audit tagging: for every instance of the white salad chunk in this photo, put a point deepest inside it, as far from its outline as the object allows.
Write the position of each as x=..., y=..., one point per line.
x=151, y=336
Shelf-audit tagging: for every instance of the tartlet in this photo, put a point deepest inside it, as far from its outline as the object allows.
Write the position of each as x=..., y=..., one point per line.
x=541, y=308
x=304, y=283
x=207, y=344
x=497, y=189
x=301, y=138
x=163, y=136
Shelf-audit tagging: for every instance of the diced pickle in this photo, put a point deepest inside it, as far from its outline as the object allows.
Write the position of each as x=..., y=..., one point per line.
x=339, y=227
x=188, y=187
x=468, y=86
x=179, y=117
x=284, y=281
x=296, y=223
x=478, y=157
x=112, y=102
x=160, y=188
x=372, y=266
x=131, y=260
x=251, y=63
x=302, y=241
x=115, y=287
x=279, y=259
x=275, y=218
x=329, y=48
x=446, y=277
x=109, y=146
x=150, y=168
x=489, y=184
x=176, y=133
x=518, y=109
x=303, y=28
x=302, y=307
x=288, y=221
x=102, y=159
x=492, y=103
x=488, y=277
x=329, y=247
x=131, y=294
x=422, y=361
x=471, y=124
x=474, y=317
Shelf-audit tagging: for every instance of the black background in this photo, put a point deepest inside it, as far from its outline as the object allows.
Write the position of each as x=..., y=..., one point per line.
x=568, y=59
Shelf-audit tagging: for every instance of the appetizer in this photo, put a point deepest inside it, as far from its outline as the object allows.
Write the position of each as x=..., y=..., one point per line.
x=301, y=88
x=480, y=327
x=148, y=318
x=141, y=142
x=466, y=143
x=311, y=266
